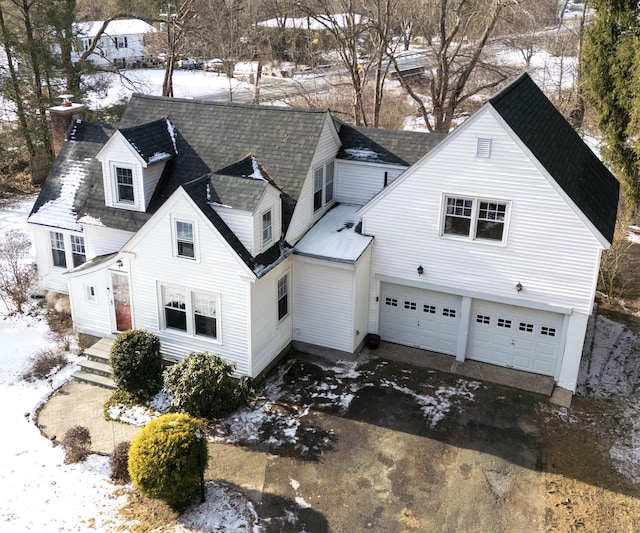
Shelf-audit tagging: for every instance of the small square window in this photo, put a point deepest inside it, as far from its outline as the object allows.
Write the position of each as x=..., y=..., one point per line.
x=449, y=312
x=431, y=309
x=504, y=323
x=483, y=319
x=549, y=332
x=393, y=302
x=410, y=305
x=528, y=328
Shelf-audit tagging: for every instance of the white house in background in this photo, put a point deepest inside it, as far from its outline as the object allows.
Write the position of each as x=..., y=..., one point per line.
x=245, y=230
x=121, y=44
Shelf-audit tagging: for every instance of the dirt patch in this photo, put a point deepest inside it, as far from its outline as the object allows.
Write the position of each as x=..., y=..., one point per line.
x=584, y=491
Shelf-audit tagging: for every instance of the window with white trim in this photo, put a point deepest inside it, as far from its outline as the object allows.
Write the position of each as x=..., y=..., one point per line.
x=185, y=242
x=483, y=147
x=267, y=232
x=322, y=186
x=193, y=312
x=475, y=218
x=124, y=185
x=283, y=297
x=57, y=249
x=90, y=293
x=78, y=250
x=121, y=42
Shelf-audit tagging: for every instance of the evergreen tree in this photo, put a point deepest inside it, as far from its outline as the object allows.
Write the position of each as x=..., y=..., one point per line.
x=610, y=60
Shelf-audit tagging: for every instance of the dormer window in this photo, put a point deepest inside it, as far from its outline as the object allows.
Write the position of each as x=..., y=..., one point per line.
x=185, y=243
x=266, y=228
x=322, y=186
x=124, y=185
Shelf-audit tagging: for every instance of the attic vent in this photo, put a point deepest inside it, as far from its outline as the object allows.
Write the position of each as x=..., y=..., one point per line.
x=483, y=147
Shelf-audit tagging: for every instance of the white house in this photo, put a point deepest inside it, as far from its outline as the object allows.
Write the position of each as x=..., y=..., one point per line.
x=243, y=230
x=121, y=44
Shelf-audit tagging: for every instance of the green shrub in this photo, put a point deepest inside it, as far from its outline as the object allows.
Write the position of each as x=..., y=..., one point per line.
x=201, y=385
x=137, y=363
x=119, y=462
x=76, y=444
x=164, y=458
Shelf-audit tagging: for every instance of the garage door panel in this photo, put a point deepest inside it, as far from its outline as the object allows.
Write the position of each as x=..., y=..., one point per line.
x=515, y=337
x=420, y=318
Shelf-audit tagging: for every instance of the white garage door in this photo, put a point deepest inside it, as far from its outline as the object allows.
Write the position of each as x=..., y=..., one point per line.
x=416, y=317
x=515, y=337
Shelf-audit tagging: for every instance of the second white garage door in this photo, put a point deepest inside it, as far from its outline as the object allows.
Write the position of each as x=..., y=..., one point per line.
x=515, y=337
x=416, y=317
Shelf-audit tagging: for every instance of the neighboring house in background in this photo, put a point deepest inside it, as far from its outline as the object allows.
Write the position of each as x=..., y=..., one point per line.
x=121, y=44
x=243, y=230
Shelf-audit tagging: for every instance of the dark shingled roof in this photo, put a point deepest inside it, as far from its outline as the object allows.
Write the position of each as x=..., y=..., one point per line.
x=561, y=151
x=197, y=191
x=152, y=140
x=213, y=135
x=237, y=192
x=377, y=145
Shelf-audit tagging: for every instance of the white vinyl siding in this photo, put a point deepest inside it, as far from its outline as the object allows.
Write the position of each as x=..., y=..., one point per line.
x=330, y=302
x=100, y=240
x=357, y=182
x=304, y=216
x=218, y=272
x=549, y=249
x=270, y=335
x=269, y=202
x=91, y=315
x=241, y=223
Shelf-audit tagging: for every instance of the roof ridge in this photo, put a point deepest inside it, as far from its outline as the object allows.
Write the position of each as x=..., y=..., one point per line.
x=279, y=109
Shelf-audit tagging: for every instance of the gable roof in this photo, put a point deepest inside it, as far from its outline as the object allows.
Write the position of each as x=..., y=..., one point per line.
x=559, y=148
x=153, y=141
x=377, y=145
x=213, y=135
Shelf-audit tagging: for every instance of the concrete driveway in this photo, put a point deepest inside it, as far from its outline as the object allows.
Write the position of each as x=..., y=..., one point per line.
x=375, y=445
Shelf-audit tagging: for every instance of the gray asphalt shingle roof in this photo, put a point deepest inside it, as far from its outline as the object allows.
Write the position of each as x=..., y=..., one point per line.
x=153, y=141
x=561, y=151
x=377, y=145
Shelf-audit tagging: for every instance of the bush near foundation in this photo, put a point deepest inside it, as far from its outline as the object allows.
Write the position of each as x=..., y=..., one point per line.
x=202, y=385
x=164, y=459
x=137, y=363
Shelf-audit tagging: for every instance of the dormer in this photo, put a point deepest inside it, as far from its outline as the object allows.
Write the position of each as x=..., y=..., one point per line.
x=133, y=161
x=249, y=202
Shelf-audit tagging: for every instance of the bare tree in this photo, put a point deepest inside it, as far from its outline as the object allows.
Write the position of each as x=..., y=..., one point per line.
x=456, y=34
x=16, y=274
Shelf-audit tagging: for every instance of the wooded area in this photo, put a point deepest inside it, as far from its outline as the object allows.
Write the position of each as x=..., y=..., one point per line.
x=462, y=40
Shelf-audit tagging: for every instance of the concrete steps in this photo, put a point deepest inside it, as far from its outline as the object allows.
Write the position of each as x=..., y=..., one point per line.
x=95, y=369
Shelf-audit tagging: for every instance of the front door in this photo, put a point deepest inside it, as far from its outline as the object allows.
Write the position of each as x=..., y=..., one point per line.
x=121, y=301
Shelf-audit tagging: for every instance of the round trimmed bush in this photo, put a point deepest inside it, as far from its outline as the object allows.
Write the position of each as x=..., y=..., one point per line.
x=164, y=458
x=137, y=363
x=201, y=385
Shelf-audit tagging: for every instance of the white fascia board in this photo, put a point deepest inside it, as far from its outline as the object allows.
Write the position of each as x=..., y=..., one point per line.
x=556, y=186
x=118, y=137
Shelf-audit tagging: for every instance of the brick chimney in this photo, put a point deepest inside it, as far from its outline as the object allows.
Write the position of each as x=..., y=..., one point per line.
x=61, y=117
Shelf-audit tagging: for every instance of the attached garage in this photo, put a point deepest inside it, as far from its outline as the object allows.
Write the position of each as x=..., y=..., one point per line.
x=417, y=317
x=515, y=337
x=500, y=334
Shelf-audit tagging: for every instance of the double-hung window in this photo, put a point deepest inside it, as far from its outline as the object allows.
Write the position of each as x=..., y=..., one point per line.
x=121, y=42
x=57, y=249
x=185, y=243
x=124, y=185
x=283, y=297
x=192, y=312
x=267, y=232
x=322, y=186
x=475, y=218
x=78, y=250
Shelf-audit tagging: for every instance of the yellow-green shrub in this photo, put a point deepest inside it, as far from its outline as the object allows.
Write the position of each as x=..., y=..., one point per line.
x=164, y=458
